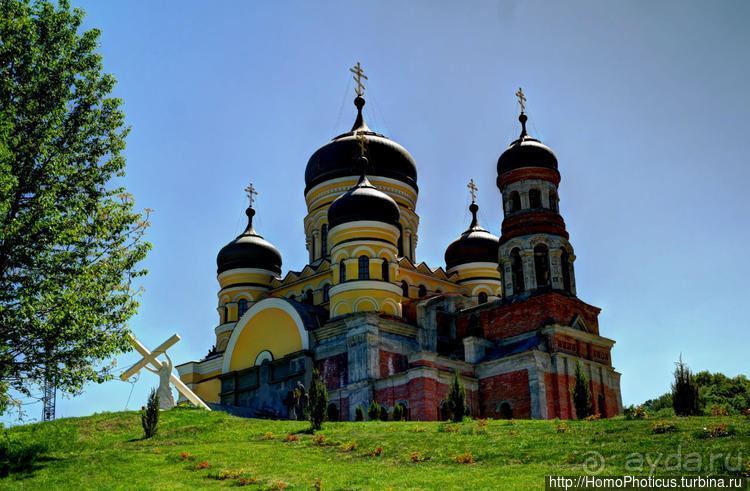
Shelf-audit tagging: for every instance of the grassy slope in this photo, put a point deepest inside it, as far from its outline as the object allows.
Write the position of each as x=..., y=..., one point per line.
x=105, y=450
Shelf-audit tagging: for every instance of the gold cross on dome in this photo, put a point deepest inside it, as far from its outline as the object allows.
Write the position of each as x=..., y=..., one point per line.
x=362, y=142
x=250, y=192
x=472, y=189
x=359, y=74
x=521, y=99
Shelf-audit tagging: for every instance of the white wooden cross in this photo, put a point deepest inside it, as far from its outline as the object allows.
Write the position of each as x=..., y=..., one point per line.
x=150, y=358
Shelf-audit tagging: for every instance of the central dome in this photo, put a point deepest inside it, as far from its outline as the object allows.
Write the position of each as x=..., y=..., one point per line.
x=338, y=158
x=526, y=152
x=476, y=244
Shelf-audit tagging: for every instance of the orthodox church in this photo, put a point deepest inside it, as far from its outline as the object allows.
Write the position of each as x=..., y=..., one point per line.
x=503, y=313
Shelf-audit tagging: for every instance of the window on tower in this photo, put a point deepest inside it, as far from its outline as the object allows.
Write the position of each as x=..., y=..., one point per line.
x=565, y=266
x=482, y=297
x=324, y=240
x=241, y=308
x=422, y=291
x=514, y=202
x=517, y=268
x=364, y=268
x=541, y=265
x=535, y=198
x=386, y=272
x=404, y=289
x=552, y=200
x=342, y=271
x=326, y=292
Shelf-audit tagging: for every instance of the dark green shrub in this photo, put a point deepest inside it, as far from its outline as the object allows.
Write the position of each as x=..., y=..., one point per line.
x=685, y=393
x=456, y=400
x=150, y=415
x=635, y=412
x=317, y=400
x=332, y=413
x=373, y=411
x=397, y=412
x=581, y=393
x=383, y=413
x=359, y=413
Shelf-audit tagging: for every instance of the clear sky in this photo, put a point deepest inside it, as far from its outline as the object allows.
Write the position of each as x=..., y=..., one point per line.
x=645, y=104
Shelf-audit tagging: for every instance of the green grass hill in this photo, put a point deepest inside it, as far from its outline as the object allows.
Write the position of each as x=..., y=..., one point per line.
x=200, y=449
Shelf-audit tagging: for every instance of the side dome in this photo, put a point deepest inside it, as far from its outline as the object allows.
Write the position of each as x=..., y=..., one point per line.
x=526, y=152
x=473, y=246
x=363, y=202
x=338, y=158
x=249, y=250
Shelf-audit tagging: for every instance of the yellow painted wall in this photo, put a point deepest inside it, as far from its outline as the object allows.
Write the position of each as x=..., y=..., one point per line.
x=270, y=329
x=208, y=390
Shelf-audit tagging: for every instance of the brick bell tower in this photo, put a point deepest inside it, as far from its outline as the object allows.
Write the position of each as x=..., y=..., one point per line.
x=536, y=334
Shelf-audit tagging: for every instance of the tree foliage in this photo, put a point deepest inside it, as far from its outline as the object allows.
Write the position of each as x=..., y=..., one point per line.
x=581, y=393
x=318, y=400
x=685, y=394
x=456, y=400
x=70, y=241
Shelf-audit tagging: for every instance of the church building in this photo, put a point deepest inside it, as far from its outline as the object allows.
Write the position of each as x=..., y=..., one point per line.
x=503, y=312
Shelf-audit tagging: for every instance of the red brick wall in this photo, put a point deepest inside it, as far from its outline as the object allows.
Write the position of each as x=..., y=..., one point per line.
x=334, y=370
x=534, y=313
x=513, y=387
x=560, y=402
x=392, y=363
x=424, y=396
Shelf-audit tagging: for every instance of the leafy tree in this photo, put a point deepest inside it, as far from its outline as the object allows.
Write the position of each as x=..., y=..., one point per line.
x=397, y=413
x=150, y=415
x=581, y=393
x=318, y=400
x=69, y=240
x=685, y=394
x=456, y=401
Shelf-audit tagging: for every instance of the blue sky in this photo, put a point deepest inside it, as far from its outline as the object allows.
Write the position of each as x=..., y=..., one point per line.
x=645, y=104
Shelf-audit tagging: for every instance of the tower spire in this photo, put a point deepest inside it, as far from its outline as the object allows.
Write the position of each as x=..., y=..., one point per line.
x=522, y=117
x=250, y=212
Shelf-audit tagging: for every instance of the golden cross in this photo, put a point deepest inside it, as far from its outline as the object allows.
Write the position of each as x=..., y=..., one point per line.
x=358, y=76
x=362, y=142
x=472, y=189
x=250, y=192
x=521, y=99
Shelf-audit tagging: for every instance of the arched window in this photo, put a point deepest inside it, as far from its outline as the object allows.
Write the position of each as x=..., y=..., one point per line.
x=517, y=268
x=241, y=307
x=364, y=268
x=482, y=297
x=342, y=271
x=535, y=198
x=292, y=297
x=422, y=291
x=506, y=412
x=404, y=289
x=401, y=239
x=514, y=201
x=309, y=297
x=326, y=292
x=410, y=252
x=541, y=265
x=565, y=266
x=552, y=200
x=386, y=271
x=324, y=240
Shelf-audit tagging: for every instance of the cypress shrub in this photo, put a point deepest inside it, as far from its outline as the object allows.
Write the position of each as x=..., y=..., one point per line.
x=456, y=401
x=318, y=400
x=150, y=415
x=373, y=411
x=685, y=395
x=581, y=393
x=397, y=413
x=383, y=413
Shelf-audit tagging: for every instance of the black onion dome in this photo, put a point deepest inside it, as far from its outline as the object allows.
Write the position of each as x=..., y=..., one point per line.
x=249, y=250
x=338, y=158
x=526, y=152
x=363, y=202
x=474, y=245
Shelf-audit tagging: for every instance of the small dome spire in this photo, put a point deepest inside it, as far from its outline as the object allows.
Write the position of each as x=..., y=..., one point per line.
x=359, y=123
x=249, y=250
x=474, y=245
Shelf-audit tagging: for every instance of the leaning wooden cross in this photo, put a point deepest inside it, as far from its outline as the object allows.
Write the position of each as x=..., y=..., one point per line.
x=150, y=358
